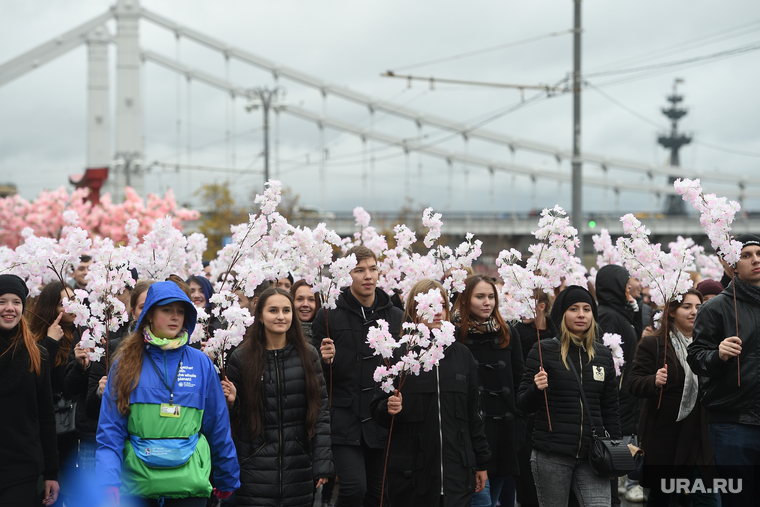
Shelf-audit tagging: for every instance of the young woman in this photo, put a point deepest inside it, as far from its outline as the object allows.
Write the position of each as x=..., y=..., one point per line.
x=560, y=454
x=201, y=291
x=163, y=422
x=278, y=405
x=497, y=350
x=28, y=424
x=307, y=303
x=54, y=329
x=674, y=437
x=438, y=449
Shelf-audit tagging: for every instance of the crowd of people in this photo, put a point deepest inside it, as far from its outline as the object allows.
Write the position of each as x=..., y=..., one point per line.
x=296, y=412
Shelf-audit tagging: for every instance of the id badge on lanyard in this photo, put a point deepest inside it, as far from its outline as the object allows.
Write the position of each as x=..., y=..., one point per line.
x=169, y=409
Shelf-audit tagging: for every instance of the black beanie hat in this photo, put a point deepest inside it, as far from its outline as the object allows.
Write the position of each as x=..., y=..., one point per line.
x=567, y=298
x=12, y=284
x=748, y=239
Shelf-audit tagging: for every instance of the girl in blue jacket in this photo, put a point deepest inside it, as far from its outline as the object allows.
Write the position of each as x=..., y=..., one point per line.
x=164, y=425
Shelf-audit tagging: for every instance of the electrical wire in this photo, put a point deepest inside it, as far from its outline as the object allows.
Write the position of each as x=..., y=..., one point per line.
x=484, y=50
x=682, y=46
x=664, y=127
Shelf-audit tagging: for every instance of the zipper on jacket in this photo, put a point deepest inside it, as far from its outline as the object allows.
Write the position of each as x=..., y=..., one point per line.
x=580, y=400
x=279, y=421
x=440, y=430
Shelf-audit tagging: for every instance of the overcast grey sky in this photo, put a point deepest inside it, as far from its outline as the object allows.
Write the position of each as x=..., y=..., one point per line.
x=42, y=125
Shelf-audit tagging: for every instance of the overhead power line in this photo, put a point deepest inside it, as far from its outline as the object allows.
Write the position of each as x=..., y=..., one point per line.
x=485, y=50
x=720, y=54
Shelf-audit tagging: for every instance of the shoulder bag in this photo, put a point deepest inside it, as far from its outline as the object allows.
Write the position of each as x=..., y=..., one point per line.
x=608, y=457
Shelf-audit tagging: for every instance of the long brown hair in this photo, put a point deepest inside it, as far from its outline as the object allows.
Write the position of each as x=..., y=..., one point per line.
x=43, y=315
x=25, y=338
x=463, y=306
x=254, y=361
x=130, y=357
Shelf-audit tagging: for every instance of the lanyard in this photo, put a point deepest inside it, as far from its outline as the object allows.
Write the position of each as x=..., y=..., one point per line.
x=158, y=372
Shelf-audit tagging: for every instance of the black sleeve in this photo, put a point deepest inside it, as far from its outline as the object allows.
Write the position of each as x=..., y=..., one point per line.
x=529, y=397
x=320, y=443
x=48, y=435
x=703, y=354
x=75, y=378
x=609, y=402
x=318, y=333
x=477, y=423
x=97, y=370
x=234, y=375
x=518, y=365
x=52, y=347
x=642, y=375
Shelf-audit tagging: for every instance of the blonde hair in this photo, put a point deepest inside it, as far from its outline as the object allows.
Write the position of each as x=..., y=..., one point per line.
x=587, y=340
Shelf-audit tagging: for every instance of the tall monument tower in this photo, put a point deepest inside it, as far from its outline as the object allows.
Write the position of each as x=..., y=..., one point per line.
x=674, y=205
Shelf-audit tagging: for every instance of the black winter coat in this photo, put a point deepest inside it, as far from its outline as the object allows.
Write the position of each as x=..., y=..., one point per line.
x=281, y=465
x=499, y=374
x=616, y=316
x=28, y=422
x=671, y=448
x=725, y=400
x=417, y=475
x=353, y=369
x=96, y=371
x=570, y=437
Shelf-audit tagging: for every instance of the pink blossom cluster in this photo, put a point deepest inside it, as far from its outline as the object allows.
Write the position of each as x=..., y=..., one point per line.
x=716, y=216
x=551, y=262
x=607, y=250
x=433, y=223
x=424, y=347
x=366, y=236
x=664, y=273
x=44, y=215
x=613, y=342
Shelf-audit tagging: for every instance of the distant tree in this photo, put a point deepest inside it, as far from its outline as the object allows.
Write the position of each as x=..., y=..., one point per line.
x=221, y=212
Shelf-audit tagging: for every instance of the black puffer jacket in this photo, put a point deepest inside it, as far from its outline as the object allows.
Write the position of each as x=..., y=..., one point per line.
x=499, y=374
x=448, y=393
x=726, y=401
x=568, y=436
x=281, y=465
x=353, y=384
x=616, y=316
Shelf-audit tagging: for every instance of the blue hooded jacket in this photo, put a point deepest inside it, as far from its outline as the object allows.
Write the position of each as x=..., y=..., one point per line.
x=130, y=445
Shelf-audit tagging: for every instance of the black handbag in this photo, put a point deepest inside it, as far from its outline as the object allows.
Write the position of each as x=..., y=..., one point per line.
x=607, y=456
x=65, y=414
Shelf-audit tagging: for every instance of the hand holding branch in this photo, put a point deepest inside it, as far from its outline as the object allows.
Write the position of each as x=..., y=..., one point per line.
x=730, y=347
x=327, y=350
x=394, y=403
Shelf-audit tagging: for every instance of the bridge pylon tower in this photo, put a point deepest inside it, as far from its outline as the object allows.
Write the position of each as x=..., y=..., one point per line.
x=673, y=141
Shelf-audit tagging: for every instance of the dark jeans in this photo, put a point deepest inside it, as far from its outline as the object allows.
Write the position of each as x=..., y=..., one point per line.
x=19, y=495
x=360, y=471
x=489, y=497
x=737, y=453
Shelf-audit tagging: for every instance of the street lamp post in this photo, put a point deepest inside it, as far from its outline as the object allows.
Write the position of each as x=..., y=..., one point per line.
x=265, y=99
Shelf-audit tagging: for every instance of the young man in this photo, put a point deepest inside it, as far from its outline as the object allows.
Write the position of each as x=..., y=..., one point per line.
x=728, y=366
x=80, y=272
x=358, y=442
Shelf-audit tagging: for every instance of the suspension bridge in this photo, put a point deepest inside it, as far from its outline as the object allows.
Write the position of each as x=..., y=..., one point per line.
x=125, y=163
